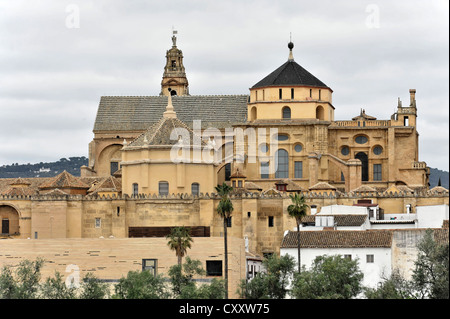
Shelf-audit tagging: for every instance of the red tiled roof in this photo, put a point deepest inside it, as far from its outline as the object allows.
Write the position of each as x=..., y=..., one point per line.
x=339, y=239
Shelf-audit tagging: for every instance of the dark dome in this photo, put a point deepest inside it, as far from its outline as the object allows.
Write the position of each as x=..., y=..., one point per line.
x=290, y=73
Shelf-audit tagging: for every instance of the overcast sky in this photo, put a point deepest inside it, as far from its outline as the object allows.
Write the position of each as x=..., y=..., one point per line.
x=57, y=58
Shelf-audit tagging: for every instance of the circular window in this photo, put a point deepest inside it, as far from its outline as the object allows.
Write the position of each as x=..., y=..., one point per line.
x=377, y=150
x=264, y=148
x=298, y=148
x=361, y=139
x=345, y=150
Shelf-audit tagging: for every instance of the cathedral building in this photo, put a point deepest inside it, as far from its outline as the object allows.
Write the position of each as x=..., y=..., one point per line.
x=154, y=163
x=283, y=132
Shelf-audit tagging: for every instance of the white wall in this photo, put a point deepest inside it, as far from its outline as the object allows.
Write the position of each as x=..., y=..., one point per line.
x=373, y=272
x=343, y=209
x=431, y=216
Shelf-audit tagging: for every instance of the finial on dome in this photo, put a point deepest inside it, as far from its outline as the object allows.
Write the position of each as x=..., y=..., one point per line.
x=290, y=46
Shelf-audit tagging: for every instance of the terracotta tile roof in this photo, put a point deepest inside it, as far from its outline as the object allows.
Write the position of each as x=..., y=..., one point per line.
x=109, y=184
x=341, y=220
x=322, y=185
x=339, y=239
x=20, y=181
x=363, y=189
x=64, y=180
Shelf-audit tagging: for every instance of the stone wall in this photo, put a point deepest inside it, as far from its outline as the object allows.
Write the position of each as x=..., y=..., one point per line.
x=112, y=258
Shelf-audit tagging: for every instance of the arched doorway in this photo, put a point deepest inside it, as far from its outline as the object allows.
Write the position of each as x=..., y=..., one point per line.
x=365, y=165
x=9, y=218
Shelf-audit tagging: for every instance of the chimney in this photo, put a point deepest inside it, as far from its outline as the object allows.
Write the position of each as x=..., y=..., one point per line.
x=412, y=94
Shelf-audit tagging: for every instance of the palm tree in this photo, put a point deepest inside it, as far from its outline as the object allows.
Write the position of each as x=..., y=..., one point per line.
x=224, y=209
x=298, y=210
x=179, y=240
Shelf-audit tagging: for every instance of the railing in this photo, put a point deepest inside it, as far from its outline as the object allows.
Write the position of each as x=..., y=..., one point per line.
x=419, y=165
x=384, y=123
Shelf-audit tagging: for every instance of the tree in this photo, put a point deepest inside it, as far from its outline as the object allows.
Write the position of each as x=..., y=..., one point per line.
x=141, y=285
x=330, y=277
x=431, y=274
x=298, y=210
x=93, y=288
x=23, y=283
x=394, y=287
x=55, y=288
x=179, y=241
x=184, y=287
x=273, y=282
x=224, y=209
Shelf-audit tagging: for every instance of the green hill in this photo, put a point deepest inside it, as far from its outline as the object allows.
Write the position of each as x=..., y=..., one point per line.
x=71, y=165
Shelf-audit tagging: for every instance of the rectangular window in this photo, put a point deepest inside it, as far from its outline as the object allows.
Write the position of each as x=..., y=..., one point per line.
x=98, y=222
x=163, y=188
x=292, y=94
x=406, y=121
x=114, y=167
x=240, y=184
x=298, y=169
x=265, y=170
x=234, y=184
x=229, y=222
x=348, y=257
x=280, y=93
x=270, y=221
x=195, y=189
x=369, y=258
x=135, y=189
x=151, y=265
x=377, y=172
x=320, y=95
x=214, y=268
x=310, y=92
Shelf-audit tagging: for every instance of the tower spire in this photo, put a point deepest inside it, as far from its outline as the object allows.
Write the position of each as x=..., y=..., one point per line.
x=174, y=79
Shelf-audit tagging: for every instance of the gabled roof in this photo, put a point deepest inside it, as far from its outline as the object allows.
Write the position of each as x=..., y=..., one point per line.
x=64, y=180
x=128, y=113
x=290, y=74
x=339, y=239
x=109, y=184
x=160, y=133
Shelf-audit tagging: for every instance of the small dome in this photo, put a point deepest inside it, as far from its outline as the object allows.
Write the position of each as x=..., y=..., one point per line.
x=290, y=45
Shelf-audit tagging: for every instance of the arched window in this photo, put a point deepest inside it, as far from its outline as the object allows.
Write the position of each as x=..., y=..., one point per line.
x=195, y=189
x=135, y=188
x=320, y=113
x=365, y=165
x=163, y=188
x=286, y=113
x=282, y=164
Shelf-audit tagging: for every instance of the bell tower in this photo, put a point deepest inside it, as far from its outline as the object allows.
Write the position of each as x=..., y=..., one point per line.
x=174, y=81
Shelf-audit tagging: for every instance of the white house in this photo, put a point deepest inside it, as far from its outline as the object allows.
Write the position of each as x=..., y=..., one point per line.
x=372, y=249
